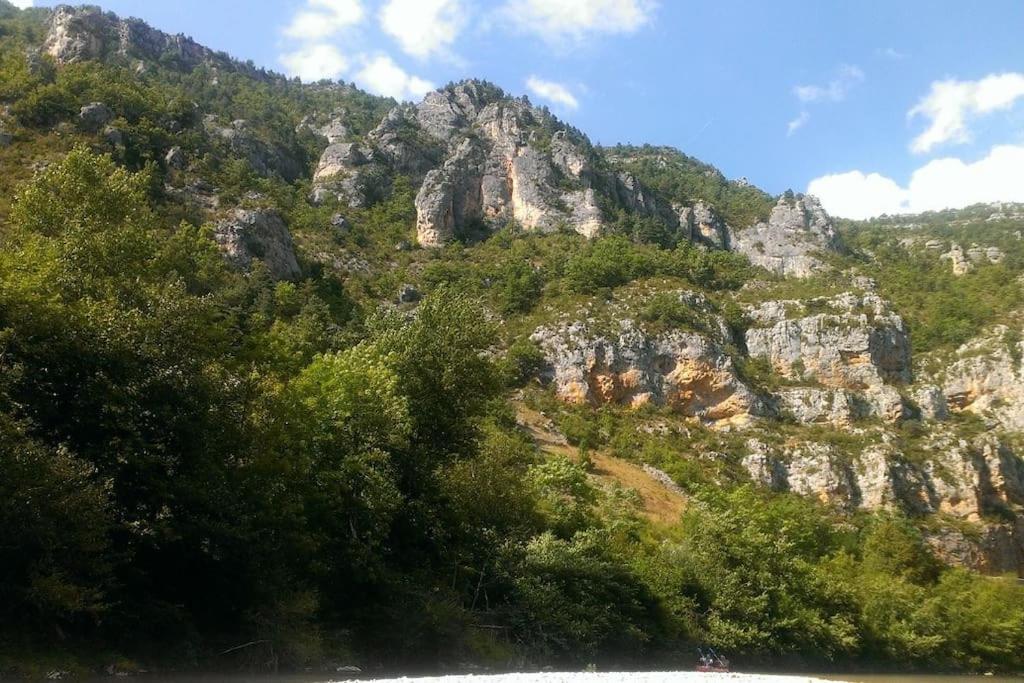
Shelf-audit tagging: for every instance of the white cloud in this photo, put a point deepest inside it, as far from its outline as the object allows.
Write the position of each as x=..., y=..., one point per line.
x=798, y=123
x=552, y=92
x=940, y=184
x=21, y=4
x=324, y=18
x=950, y=104
x=315, y=62
x=835, y=90
x=574, y=20
x=890, y=53
x=424, y=28
x=380, y=75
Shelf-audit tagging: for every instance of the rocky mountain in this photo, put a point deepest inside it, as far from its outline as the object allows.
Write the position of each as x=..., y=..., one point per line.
x=478, y=159
x=226, y=320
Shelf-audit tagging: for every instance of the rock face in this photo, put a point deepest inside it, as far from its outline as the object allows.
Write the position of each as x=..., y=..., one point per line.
x=979, y=483
x=75, y=34
x=786, y=244
x=685, y=370
x=706, y=226
x=479, y=158
x=851, y=347
x=258, y=234
x=985, y=377
x=956, y=257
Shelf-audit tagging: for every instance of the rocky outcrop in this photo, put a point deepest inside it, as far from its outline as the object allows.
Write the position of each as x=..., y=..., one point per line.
x=176, y=158
x=515, y=167
x=94, y=116
x=787, y=243
x=75, y=34
x=979, y=483
x=964, y=261
x=248, y=235
x=265, y=158
x=702, y=224
x=959, y=262
x=985, y=377
x=850, y=348
x=479, y=159
x=687, y=371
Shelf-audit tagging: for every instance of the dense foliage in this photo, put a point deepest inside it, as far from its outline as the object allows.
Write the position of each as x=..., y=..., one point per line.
x=207, y=468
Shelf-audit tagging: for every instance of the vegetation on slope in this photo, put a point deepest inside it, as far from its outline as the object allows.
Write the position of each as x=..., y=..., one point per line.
x=197, y=459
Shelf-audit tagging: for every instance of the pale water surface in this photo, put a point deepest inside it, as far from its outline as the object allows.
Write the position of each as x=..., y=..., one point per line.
x=605, y=677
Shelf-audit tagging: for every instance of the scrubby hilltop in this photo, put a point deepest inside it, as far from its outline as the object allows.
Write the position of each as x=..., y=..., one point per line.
x=294, y=376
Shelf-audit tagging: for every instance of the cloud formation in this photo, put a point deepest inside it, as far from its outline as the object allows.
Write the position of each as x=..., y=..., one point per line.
x=324, y=18
x=553, y=92
x=21, y=4
x=557, y=21
x=940, y=184
x=798, y=123
x=847, y=77
x=315, y=62
x=424, y=28
x=318, y=25
x=951, y=104
x=835, y=90
x=381, y=76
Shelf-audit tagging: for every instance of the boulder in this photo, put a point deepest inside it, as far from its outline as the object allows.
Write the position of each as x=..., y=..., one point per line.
x=94, y=116
x=408, y=294
x=247, y=235
x=113, y=136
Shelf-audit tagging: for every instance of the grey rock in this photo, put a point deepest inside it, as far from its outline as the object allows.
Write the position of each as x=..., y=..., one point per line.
x=855, y=344
x=809, y=405
x=985, y=378
x=94, y=116
x=958, y=260
x=408, y=294
x=6, y=138
x=339, y=224
x=176, y=158
x=787, y=243
x=337, y=158
x=75, y=34
x=258, y=234
x=931, y=402
x=113, y=136
x=974, y=482
x=706, y=227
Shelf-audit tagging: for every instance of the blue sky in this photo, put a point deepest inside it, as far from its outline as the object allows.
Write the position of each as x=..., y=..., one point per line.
x=877, y=106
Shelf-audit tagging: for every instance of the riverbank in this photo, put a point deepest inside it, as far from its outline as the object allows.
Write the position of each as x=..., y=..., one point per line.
x=632, y=677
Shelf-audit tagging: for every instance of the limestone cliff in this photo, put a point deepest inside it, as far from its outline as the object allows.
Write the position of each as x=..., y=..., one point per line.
x=850, y=350
x=788, y=243
x=686, y=370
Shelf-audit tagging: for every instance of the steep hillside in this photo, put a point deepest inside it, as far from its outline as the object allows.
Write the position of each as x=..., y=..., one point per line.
x=292, y=376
